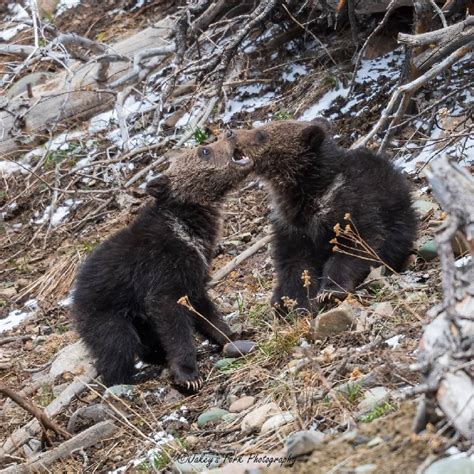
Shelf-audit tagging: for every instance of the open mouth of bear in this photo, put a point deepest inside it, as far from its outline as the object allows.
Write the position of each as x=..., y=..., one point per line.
x=240, y=159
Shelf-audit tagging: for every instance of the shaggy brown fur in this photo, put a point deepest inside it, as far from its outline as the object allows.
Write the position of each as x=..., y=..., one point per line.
x=314, y=185
x=127, y=292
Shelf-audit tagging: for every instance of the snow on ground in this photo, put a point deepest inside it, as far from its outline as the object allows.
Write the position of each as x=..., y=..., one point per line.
x=293, y=72
x=59, y=214
x=323, y=103
x=15, y=317
x=247, y=99
x=64, y=5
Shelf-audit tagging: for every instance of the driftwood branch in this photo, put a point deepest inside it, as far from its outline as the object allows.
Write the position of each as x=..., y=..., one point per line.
x=40, y=415
x=87, y=438
x=235, y=262
x=446, y=344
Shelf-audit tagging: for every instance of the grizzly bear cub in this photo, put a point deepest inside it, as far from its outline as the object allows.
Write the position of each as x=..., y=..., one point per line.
x=125, y=301
x=337, y=212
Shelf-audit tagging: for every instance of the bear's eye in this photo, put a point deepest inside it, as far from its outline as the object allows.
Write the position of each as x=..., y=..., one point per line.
x=261, y=136
x=229, y=134
x=205, y=152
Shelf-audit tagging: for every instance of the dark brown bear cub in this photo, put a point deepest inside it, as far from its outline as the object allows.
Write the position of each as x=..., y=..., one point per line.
x=126, y=294
x=337, y=212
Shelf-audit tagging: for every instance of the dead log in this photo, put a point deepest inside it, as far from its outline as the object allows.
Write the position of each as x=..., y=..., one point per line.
x=446, y=345
x=87, y=438
x=25, y=123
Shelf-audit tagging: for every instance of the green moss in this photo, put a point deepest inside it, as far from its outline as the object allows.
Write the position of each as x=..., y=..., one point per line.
x=377, y=412
x=200, y=136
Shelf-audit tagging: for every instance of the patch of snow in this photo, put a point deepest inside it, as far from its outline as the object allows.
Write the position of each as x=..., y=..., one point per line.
x=463, y=261
x=15, y=317
x=9, y=33
x=65, y=302
x=64, y=5
x=246, y=105
x=293, y=72
x=174, y=416
x=102, y=121
x=59, y=214
x=323, y=103
x=9, y=167
x=394, y=341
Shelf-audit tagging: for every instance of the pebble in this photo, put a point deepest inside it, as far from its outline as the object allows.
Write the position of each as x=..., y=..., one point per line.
x=257, y=417
x=87, y=416
x=276, y=421
x=452, y=465
x=333, y=322
x=241, y=404
x=428, y=251
x=191, y=441
x=365, y=468
x=303, y=442
x=372, y=398
x=238, y=348
x=224, y=363
x=375, y=442
x=211, y=416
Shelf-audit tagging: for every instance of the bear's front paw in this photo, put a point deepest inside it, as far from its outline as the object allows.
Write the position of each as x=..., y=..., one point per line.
x=187, y=380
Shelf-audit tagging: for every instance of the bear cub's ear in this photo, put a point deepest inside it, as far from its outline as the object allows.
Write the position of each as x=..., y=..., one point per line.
x=312, y=136
x=159, y=186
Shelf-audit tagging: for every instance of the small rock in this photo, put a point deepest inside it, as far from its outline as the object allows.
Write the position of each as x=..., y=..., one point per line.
x=428, y=251
x=453, y=465
x=257, y=417
x=32, y=447
x=73, y=358
x=211, y=416
x=122, y=390
x=238, y=348
x=424, y=207
x=372, y=398
x=375, y=442
x=87, y=416
x=383, y=309
x=229, y=417
x=276, y=421
x=365, y=468
x=224, y=363
x=241, y=404
x=333, y=322
x=303, y=442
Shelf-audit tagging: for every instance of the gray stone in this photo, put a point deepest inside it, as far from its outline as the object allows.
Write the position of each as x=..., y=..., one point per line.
x=8, y=293
x=365, y=468
x=87, y=416
x=452, y=465
x=257, y=417
x=424, y=207
x=211, y=416
x=303, y=442
x=372, y=398
x=375, y=442
x=238, y=348
x=119, y=391
x=333, y=322
x=274, y=422
x=241, y=404
x=383, y=309
x=224, y=363
x=73, y=358
x=428, y=251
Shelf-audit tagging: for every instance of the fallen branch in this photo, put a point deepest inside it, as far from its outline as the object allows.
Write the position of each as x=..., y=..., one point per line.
x=20, y=436
x=235, y=262
x=45, y=422
x=87, y=438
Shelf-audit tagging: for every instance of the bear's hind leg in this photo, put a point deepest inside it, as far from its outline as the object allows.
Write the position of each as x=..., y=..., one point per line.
x=174, y=327
x=213, y=327
x=341, y=275
x=114, y=343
